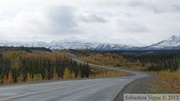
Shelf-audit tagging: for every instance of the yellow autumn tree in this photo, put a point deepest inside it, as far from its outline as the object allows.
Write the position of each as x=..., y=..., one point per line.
x=20, y=78
x=72, y=75
x=66, y=74
x=55, y=75
x=40, y=77
x=10, y=79
x=5, y=80
x=37, y=77
x=29, y=77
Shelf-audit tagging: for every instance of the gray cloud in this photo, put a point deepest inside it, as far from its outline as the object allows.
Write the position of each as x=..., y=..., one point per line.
x=133, y=27
x=62, y=15
x=158, y=6
x=136, y=3
x=62, y=20
x=136, y=28
x=174, y=8
x=92, y=19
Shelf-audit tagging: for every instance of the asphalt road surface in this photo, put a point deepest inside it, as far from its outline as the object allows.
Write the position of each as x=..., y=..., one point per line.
x=104, y=89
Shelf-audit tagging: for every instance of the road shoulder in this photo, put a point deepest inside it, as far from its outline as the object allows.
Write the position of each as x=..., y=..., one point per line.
x=140, y=86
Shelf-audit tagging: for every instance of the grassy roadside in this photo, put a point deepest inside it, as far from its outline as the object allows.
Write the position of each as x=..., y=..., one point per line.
x=166, y=82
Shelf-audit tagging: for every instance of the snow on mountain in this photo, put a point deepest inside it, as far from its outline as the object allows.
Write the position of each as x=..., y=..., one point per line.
x=172, y=42
x=68, y=44
x=112, y=47
x=24, y=44
x=71, y=45
x=129, y=41
x=75, y=43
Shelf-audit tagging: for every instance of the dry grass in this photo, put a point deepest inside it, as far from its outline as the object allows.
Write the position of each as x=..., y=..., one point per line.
x=102, y=73
x=166, y=82
x=107, y=59
x=108, y=74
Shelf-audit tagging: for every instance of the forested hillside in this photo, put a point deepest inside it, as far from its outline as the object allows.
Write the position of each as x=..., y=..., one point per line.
x=26, y=49
x=21, y=66
x=157, y=60
x=24, y=67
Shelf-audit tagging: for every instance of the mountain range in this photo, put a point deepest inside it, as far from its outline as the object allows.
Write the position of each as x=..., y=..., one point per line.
x=171, y=43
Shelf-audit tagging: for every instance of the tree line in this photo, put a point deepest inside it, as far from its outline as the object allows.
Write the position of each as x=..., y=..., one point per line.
x=157, y=60
x=24, y=67
x=148, y=60
x=26, y=49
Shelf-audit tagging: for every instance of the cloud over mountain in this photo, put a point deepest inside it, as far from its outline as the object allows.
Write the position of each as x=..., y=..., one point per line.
x=95, y=20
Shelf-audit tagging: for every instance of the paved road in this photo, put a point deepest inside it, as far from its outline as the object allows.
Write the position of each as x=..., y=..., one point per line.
x=104, y=89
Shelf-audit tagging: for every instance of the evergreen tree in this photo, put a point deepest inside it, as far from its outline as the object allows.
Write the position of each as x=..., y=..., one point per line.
x=87, y=70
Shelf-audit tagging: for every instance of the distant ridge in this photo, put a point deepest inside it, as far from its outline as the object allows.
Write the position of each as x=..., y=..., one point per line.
x=171, y=43
x=26, y=49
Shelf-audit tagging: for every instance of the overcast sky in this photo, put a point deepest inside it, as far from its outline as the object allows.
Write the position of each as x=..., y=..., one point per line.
x=148, y=21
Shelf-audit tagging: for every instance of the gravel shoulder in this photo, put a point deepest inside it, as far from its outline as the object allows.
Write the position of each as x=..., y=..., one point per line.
x=139, y=86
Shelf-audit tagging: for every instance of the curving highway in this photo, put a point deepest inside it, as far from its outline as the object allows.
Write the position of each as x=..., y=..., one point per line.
x=103, y=89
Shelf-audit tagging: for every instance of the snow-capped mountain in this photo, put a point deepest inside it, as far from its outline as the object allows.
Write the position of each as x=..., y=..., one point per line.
x=67, y=43
x=54, y=45
x=80, y=44
x=129, y=42
x=74, y=43
x=24, y=44
x=112, y=47
x=71, y=45
x=171, y=43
